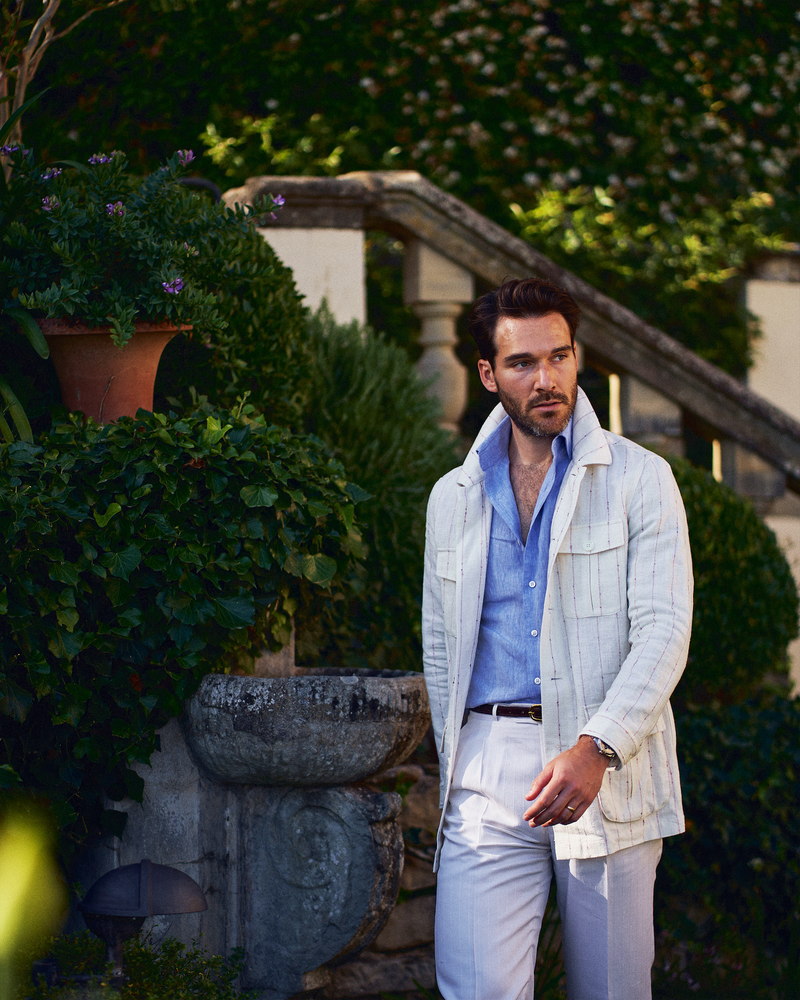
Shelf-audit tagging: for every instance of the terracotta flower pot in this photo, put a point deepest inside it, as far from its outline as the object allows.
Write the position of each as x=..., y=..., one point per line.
x=97, y=377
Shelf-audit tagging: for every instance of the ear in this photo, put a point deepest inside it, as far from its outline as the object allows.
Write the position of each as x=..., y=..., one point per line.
x=487, y=375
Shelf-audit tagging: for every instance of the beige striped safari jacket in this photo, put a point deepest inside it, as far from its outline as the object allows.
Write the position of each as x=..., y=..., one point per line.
x=615, y=629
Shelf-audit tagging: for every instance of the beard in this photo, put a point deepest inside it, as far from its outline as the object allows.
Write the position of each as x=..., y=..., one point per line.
x=539, y=425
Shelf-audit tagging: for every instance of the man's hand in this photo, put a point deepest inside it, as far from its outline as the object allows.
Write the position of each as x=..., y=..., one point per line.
x=571, y=779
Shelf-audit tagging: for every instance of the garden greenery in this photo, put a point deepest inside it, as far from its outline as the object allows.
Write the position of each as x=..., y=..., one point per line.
x=170, y=971
x=93, y=243
x=367, y=403
x=745, y=599
x=728, y=889
x=674, y=273
x=134, y=559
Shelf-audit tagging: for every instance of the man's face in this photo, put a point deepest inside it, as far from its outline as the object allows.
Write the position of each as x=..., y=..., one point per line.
x=535, y=373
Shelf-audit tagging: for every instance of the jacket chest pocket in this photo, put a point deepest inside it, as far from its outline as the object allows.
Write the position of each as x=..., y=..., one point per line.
x=591, y=570
x=446, y=572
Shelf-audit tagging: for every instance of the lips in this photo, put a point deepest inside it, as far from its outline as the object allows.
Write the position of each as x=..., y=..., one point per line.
x=551, y=403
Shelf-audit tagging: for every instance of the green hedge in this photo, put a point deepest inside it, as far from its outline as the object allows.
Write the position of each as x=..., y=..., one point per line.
x=367, y=404
x=745, y=599
x=729, y=888
x=134, y=559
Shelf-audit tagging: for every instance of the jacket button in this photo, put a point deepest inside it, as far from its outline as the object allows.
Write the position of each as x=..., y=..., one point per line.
x=588, y=546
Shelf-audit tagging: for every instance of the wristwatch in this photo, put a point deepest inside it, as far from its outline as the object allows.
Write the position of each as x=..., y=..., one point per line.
x=608, y=752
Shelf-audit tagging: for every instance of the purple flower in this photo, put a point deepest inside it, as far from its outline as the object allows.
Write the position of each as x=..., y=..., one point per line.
x=99, y=158
x=185, y=157
x=50, y=173
x=191, y=250
x=48, y=204
x=279, y=200
x=173, y=287
x=9, y=149
x=115, y=208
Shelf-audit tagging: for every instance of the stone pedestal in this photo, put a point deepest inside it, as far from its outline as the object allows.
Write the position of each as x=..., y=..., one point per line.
x=299, y=870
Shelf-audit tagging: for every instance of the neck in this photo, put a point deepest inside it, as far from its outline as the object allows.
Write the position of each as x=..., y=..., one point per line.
x=523, y=449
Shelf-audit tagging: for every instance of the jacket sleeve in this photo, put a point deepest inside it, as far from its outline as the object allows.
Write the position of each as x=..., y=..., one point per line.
x=660, y=587
x=434, y=650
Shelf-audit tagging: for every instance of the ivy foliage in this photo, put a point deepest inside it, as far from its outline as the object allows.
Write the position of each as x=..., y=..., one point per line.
x=745, y=599
x=671, y=108
x=682, y=275
x=96, y=243
x=135, y=558
x=368, y=405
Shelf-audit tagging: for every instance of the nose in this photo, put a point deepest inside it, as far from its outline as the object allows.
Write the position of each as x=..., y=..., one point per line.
x=543, y=380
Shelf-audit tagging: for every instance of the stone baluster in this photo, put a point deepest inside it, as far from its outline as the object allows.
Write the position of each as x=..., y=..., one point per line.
x=436, y=290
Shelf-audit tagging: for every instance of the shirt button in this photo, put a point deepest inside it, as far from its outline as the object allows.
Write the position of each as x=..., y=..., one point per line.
x=588, y=546
x=537, y=680
x=532, y=583
x=534, y=633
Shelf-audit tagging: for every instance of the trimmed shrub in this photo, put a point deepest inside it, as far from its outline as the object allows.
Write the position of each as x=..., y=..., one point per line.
x=263, y=350
x=368, y=405
x=745, y=599
x=728, y=891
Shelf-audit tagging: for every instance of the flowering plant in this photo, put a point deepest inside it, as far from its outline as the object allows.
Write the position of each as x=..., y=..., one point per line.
x=91, y=241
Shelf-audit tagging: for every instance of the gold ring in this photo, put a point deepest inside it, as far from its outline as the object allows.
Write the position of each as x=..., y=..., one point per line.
x=572, y=808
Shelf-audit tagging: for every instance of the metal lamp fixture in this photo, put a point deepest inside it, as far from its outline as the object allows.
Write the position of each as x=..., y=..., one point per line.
x=116, y=905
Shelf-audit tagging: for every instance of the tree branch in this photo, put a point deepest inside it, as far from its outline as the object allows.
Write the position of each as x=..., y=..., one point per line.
x=32, y=53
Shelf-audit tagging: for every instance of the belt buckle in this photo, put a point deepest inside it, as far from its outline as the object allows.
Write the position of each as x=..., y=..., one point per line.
x=532, y=712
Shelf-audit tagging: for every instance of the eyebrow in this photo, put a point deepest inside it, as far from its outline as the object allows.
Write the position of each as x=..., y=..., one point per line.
x=524, y=355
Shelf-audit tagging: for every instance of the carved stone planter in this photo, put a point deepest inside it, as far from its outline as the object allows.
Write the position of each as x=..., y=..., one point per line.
x=252, y=795
x=308, y=730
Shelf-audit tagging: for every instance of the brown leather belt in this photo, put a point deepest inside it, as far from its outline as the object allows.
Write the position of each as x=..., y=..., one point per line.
x=512, y=711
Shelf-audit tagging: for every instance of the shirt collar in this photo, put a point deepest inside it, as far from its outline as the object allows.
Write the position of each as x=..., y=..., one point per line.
x=495, y=448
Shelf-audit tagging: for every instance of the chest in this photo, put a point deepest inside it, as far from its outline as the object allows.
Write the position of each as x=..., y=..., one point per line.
x=526, y=484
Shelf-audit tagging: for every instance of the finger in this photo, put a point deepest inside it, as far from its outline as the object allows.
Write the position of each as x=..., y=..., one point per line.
x=548, y=808
x=540, y=782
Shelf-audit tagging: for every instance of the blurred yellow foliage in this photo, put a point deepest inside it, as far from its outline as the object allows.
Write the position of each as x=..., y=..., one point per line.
x=33, y=898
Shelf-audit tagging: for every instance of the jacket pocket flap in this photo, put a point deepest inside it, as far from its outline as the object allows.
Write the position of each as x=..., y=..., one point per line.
x=585, y=539
x=446, y=564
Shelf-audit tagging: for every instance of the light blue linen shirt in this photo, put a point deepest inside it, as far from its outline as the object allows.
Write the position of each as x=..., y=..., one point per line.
x=506, y=667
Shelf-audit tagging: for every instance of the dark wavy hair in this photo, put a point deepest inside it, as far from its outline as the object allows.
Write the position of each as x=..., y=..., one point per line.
x=518, y=297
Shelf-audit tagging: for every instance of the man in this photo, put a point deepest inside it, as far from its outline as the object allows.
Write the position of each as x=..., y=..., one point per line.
x=556, y=622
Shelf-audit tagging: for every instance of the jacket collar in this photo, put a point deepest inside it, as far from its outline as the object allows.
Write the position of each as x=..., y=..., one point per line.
x=589, y=445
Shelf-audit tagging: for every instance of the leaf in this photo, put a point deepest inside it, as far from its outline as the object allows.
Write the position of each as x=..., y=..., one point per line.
x=103, y=519
x=68, y=617
x=120, y=564
x=317, y=509
x=258, y=496
x=9, y=778
x=14, y=700
x=234, y=612
x=356, y=493
x=318, y=569
x=6, y=130
x=64, y=573
x=130, y=617
x=63, y=645
x=187, y=609
x=31, y=330
x=4, y=601
x=81, y=167
x=5, y=430
x=16, y=412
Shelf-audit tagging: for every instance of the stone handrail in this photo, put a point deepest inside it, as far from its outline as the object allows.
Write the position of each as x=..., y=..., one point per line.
x=411, y=207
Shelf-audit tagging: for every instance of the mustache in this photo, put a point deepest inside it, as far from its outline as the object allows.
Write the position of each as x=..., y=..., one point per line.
x=548, y=397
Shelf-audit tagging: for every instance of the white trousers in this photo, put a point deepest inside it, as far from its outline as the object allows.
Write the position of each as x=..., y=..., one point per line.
x=494, y=880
